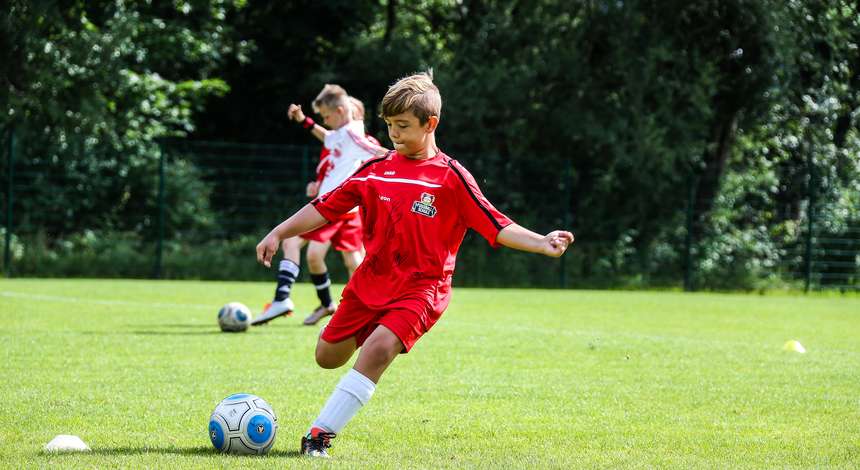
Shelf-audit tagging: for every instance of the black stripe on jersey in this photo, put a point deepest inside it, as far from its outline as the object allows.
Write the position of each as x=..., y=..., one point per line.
x=372, y=161
x=474, y=197
x=366, y=164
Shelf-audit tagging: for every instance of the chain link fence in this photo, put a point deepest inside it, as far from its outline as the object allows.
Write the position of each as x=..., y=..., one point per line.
x=195, y=210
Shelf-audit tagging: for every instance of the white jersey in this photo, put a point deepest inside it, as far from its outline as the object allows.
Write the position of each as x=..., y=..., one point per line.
x=348, y=149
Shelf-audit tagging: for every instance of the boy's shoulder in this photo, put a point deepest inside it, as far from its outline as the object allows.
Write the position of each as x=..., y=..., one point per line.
x=354, y=127
x=391, y=160
x=453, y=165
x=449, y=161
x=368, y=165
x=458, y=176
x=345, y=132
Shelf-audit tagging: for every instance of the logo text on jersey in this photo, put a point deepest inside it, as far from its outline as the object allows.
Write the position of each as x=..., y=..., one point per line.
x=425, y=205
x=389, y=173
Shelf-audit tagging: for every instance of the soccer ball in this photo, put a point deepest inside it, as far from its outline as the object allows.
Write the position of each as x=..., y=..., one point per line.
x=234, y=317
x=243, y=424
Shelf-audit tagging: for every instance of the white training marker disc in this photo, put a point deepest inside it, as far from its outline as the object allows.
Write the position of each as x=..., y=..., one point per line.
x=66, y=443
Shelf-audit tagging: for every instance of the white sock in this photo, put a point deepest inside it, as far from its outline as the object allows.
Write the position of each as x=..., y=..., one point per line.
x=289, y=266
x=352, y=392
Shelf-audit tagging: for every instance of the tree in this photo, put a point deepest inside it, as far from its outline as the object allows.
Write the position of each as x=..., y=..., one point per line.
x=88, y=88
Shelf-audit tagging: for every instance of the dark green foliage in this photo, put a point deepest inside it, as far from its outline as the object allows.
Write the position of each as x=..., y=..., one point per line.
x=88, y=87
x=621, y=120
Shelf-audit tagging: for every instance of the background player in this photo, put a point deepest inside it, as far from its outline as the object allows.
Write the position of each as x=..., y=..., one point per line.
x=346, y=147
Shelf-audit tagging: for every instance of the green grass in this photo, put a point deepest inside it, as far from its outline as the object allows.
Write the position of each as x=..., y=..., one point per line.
x=507, y=378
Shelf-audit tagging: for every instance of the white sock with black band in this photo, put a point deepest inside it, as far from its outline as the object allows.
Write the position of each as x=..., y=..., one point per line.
x=351, y=393
x=288, y=272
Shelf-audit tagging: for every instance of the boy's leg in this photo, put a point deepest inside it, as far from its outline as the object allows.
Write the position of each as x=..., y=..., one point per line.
x=354, y=389
x=377, y=353
x=288, y=271
x=334, y=355
x=319, y=275
x=351, y=259
x=316, y=256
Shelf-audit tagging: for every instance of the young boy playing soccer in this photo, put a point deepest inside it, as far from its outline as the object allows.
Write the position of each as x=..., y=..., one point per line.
x=324, y=166
x=417, y=204
x=346, y=147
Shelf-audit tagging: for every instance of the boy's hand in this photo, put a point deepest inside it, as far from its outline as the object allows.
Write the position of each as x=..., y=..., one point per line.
x=267, y=248
x=555, y=243
x=295, y=113
x=312, y=189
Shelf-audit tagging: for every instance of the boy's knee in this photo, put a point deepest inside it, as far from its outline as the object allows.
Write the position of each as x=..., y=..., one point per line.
x=351, y=259
x=316, y=255
x=316, y=261
x=327, y=361
x=329, y=358
x=382, y=351
x=292, y=243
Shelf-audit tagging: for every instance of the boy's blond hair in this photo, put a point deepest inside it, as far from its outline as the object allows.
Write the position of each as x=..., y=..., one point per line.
x=415, y=93
x=357, y=108
x=331, y=97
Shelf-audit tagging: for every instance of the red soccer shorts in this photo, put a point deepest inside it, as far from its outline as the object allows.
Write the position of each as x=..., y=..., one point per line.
x=344, y=234
x=408, y=319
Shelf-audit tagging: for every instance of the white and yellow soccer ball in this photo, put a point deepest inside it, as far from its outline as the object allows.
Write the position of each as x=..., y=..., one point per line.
x=243, y=424
x=234, y=317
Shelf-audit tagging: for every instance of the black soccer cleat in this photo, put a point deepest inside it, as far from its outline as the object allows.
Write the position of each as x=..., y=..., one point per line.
x=316, y=443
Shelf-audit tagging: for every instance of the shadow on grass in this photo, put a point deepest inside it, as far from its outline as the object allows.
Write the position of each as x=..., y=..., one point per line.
x=200, y=450
x=188, y=329
x=174, y=333
x=181, y=325
x=214, y=325
x=215, y=331
x=149, y=332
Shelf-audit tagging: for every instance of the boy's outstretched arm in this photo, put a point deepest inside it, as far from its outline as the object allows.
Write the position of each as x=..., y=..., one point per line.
x=305, y=220
x=295, y=113
x=520, y=238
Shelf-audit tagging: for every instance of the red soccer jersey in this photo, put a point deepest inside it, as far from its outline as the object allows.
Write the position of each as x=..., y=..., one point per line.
x=323, y=165
x=415, y=214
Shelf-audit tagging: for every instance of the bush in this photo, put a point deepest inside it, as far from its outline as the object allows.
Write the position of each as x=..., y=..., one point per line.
x=86, y=254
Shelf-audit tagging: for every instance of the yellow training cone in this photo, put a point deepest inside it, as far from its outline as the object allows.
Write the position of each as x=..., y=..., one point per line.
x=794, y=345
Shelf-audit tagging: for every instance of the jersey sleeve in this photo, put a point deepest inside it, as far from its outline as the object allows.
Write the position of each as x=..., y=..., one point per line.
x=339, y=200
x=345, y=197
x=362, y=141
x=332, y=138
x=476, y=212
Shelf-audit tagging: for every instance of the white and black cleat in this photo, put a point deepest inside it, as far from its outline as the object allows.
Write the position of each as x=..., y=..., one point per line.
x=277, y=308
x=316, y=443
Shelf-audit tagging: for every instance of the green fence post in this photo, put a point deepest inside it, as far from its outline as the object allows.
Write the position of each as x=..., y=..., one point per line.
x=159, y=247
x=688, y=237
x=566, y=207
x=810, y=223
x=306, y=167
x=10, y=193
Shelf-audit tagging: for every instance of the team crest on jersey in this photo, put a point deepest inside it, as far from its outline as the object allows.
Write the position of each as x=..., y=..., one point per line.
x=425, y=205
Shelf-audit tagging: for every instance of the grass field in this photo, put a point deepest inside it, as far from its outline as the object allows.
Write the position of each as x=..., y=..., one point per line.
x=507, y=379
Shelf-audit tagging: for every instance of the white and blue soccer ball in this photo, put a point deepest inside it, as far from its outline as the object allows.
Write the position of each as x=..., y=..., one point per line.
x=234, y=317
x=243, y=424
